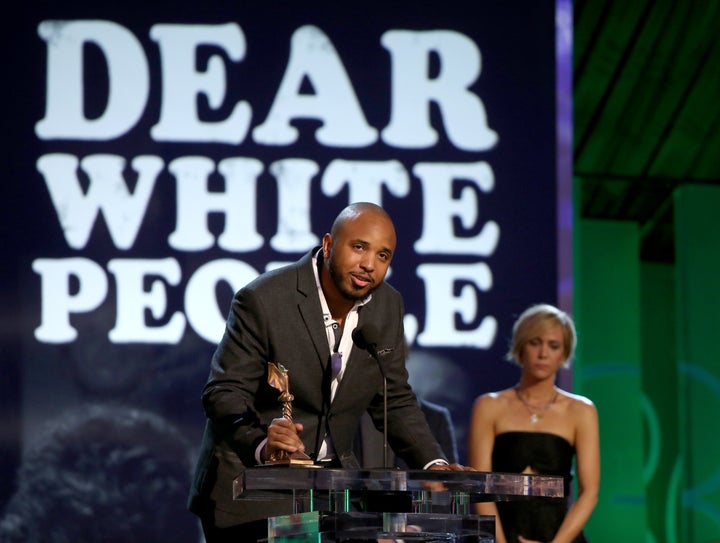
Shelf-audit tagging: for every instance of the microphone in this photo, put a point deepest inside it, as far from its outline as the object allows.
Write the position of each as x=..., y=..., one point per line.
x=366, y=338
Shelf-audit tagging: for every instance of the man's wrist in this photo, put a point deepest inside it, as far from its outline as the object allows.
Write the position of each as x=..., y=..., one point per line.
x=260, y=455
x=436, y=462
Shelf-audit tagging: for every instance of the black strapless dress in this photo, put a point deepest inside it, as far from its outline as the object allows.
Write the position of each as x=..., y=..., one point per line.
x=547, y=454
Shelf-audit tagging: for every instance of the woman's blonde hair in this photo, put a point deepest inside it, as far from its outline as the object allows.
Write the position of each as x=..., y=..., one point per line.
x=532, y=321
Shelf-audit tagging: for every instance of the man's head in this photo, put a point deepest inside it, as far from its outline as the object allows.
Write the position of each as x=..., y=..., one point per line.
x=358, y=251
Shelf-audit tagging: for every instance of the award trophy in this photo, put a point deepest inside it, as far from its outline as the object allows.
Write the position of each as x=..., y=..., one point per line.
x=278, y=378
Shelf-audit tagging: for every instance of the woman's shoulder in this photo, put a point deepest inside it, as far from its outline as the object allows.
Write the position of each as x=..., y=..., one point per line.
x=576, y=399
x=495, y=398
x=488, y=408
x=499, y=395
x=579, y=405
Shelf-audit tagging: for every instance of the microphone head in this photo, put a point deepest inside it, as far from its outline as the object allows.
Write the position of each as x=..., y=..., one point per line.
x=366, y=336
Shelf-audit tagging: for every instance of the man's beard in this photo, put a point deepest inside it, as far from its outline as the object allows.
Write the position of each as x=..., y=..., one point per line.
x=337, y=279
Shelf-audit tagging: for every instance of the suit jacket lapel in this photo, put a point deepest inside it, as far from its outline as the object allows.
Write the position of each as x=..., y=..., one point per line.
x=309, y=307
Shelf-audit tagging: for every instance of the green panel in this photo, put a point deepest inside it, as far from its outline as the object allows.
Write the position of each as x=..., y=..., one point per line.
x=660, y=378
x=607, y=370
x=697, y=248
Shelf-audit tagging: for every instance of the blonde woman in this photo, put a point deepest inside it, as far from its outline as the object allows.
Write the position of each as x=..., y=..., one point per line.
x=536, y=427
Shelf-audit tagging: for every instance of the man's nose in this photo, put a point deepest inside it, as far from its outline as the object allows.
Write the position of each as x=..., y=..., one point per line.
x=366, y=262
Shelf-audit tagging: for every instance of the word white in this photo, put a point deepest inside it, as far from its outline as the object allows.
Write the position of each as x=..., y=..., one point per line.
x=108, y=193
x=312, y=58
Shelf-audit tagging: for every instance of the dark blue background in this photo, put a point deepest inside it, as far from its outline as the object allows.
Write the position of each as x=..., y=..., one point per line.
x=516, y=85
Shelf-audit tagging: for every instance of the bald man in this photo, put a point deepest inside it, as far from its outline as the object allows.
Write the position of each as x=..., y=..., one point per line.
x=303, y=316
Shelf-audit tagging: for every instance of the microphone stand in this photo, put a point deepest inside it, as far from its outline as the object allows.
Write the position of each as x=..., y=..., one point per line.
x=385, y=420
x=373, y=353
x=366, y=338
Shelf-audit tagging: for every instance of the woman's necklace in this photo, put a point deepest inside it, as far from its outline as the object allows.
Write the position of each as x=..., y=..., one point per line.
x=536, y=413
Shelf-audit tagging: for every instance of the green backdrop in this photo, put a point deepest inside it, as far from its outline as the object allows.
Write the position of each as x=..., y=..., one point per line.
x=649, y=357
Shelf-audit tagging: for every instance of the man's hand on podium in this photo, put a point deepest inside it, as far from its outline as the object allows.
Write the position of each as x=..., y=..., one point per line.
x=438, y=486
x=450, y=467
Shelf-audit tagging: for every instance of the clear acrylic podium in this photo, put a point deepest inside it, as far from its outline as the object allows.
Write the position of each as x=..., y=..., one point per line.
x=336, y=505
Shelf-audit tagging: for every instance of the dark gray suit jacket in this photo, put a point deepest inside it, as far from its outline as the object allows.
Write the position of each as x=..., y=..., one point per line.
x=278, y=318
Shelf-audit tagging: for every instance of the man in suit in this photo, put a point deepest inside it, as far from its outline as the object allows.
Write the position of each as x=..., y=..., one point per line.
x=303, y=316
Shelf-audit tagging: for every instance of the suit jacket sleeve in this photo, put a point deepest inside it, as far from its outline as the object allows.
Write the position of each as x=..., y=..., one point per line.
x=276, y=318
x=238, y=369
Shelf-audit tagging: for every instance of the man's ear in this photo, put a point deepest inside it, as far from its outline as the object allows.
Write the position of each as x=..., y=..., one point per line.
x=326, y=244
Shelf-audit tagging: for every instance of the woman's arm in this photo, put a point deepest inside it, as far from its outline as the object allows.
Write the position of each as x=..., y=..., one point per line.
x=587, y=447
x=481, y=440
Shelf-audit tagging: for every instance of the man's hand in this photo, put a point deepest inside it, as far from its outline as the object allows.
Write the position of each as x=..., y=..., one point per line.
x=450, y=467
x=438, y=486
x=283, y=435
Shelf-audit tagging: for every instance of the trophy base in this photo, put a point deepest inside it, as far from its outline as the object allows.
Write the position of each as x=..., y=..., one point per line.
x=296, y=458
